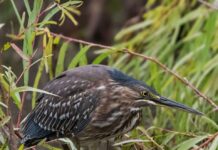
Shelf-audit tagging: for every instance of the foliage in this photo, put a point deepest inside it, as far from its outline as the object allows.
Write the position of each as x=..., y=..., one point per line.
x=184, y=37
x=180, y=34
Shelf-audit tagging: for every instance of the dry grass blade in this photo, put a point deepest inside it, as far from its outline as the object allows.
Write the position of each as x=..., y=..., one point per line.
x=208, y=4
x=150, y=138
x=19, y=52
x=130, y=141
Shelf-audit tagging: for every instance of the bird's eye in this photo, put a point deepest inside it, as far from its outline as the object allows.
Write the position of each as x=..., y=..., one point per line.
x=144, y=93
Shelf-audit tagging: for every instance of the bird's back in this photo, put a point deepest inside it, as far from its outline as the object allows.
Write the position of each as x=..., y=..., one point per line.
x=73, y=111
x=67, y=112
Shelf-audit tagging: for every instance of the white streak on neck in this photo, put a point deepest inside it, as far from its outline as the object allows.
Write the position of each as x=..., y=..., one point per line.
x=134, y=109
x=102, y=87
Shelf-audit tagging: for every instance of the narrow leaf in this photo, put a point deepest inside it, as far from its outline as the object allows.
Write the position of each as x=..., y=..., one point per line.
x=4, y=120
x=76, y=59
x=61, y=57
x=190, y=143
x=27, y=88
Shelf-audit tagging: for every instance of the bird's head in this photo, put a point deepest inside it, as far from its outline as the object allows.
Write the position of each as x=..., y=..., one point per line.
x=147, y=95
x=143, y=95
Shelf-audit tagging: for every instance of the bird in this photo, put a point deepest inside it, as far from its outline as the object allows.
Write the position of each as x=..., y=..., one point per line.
x=91, y=103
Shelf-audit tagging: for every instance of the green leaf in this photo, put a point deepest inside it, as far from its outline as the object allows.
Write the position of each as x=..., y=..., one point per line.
x=77, y=58
x=50, y=14
x=16, y=12
x=190, y=143
x=22, y=22
x=200, y=12
x=83, y=60
x=36, y=81
x=61, y=57
x=56, y=40
x=48, y=51
x=29, y=37
x=56, y=9
x=47, y=23
x=133, y=28
x=169, y=137
x=37, y=5
x=210, y=122
x=70, y=16
x=4, y=145
x=6, y=46
x=21, y=147
x=101, y=57
x=15, y=96
x=73, y=10
x=26, y=3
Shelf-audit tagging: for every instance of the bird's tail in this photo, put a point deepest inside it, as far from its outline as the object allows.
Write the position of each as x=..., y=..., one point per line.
x=32, y=132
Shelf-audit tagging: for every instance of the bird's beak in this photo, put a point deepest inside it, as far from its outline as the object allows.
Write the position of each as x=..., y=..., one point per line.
x=170, y=103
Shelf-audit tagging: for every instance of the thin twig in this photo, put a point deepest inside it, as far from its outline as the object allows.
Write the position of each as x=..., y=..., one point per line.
x=23, y=95
x=21, y=108
x=70, y=39
x=208, y=4
x=172, y=131
x=50, y=6
x=136, y=144
x=210, y=139
x=19, y=52
x=28, y=67
x=150, y=138
x=154, y=60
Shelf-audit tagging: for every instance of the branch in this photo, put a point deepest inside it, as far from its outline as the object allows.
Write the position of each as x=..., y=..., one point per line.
x=207, y=4
x=182, y=79
x=210, y=139
x=19, y=52
x=21, y=108
x=130, y=52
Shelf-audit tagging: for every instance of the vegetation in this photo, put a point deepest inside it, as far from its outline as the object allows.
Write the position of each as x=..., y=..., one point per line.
x=173, y=47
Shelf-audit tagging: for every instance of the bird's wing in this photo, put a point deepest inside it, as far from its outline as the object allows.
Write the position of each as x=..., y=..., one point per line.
x=70, y=111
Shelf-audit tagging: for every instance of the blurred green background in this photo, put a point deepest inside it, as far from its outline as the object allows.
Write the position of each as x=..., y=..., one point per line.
x=181, y=34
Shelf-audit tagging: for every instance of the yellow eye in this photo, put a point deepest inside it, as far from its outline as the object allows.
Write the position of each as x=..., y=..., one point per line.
x=144, y=93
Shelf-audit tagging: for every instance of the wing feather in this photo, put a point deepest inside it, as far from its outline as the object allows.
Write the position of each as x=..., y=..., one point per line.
x=71, y=111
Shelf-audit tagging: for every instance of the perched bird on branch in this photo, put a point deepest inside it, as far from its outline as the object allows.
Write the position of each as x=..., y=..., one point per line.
x=93, y=102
